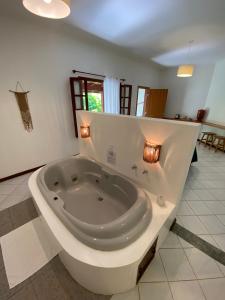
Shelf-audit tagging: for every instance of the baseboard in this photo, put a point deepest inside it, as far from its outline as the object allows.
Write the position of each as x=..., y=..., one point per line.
x=23, y=172
x=20, y=173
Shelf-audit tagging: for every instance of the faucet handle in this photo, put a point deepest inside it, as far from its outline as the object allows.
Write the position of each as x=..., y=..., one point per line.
x=134, y=167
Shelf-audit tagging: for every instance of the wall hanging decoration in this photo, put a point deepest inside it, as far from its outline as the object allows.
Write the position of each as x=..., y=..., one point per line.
x=22, y=101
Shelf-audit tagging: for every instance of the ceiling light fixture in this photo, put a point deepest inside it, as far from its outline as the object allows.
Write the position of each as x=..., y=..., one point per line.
x=53, y=9
x=186, y=70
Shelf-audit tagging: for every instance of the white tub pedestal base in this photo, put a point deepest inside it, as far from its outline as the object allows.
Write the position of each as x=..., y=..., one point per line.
x=101, y=280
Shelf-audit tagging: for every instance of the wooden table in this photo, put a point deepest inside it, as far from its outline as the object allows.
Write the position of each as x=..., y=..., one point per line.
x=220, y=126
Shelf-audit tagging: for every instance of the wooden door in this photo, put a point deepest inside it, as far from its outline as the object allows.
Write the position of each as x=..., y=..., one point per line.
x=155, y=103
x=125, y=98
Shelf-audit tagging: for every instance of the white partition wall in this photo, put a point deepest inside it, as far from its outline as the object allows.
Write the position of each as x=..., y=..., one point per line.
x=125, y=136
x=118, y=142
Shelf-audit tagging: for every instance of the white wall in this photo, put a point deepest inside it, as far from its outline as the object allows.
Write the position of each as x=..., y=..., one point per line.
x=186, y=95
x=178, y=139
x=216, y=97
x=40, y=54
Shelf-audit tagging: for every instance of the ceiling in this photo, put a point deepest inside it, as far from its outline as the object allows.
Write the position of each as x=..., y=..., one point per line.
x=158, y=30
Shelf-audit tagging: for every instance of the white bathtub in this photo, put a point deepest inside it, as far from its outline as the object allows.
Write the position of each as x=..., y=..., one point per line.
x=101, y=271
x=101, y=208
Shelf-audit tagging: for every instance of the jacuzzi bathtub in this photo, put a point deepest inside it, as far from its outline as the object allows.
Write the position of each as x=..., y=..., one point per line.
x=101, y=208
x=74, y=230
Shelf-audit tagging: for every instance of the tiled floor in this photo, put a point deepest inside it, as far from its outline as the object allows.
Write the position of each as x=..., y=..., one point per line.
x=20, y=247
x=178, y=272
x=52, y=282
x=202, y=210
x=14, y=191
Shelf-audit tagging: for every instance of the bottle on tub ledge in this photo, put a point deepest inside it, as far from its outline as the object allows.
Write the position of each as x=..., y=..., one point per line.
x=160, y=200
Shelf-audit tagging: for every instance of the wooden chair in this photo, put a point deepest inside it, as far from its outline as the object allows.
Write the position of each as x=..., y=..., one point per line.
x=207, y=138
x=219, y=142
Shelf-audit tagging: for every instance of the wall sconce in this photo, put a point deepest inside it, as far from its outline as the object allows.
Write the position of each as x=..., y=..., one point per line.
x=84, y=131
x=151, y=152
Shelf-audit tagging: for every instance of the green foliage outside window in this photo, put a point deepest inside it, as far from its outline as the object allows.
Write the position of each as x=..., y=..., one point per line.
x=94, y=102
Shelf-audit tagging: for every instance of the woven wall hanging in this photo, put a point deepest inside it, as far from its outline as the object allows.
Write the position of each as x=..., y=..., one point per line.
x=22, y=101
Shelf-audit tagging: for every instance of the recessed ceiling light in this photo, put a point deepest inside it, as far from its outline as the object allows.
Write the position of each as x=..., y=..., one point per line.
x=53, y=9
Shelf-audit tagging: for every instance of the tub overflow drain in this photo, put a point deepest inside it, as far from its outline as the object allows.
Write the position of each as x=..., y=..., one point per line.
x=100, y=199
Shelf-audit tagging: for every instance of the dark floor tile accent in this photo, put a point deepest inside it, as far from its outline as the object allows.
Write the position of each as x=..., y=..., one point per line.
x=5, y=222
x=75, y=290
x=47, y=287
x=5, y=292
x=43, y=270
x=26, y=293
x=52, y=282
x=1, y=259
x=199, y=243
x=56, y=283
x=22, y=213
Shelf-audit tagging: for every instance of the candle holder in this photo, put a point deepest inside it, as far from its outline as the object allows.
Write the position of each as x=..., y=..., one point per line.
x=84, y=131
x=151, y=152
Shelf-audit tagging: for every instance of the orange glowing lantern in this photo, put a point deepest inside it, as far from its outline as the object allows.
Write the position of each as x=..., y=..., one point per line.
x=151, y=152
x=84, y=131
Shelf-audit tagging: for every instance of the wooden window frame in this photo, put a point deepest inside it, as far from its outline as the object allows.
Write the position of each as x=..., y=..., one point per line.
x=122, y=99
x=81, y=96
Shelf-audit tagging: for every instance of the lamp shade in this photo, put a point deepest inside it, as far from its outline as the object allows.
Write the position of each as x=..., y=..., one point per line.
x=151, y=152
x=53, y=9
x=84, y=131
x=185, y=71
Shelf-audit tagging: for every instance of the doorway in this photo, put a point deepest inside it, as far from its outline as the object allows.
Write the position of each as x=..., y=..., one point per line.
x=141, y=98
x=151, y=102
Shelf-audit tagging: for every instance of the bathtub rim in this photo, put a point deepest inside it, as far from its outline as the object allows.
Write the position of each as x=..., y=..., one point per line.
x=141, y=195
x=104, y=259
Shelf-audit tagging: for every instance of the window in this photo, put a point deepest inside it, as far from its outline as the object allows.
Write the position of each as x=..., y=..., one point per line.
x=95, y=101
x=86, y=94
x=141, y=96
x=94, y=96
x=125, y=98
